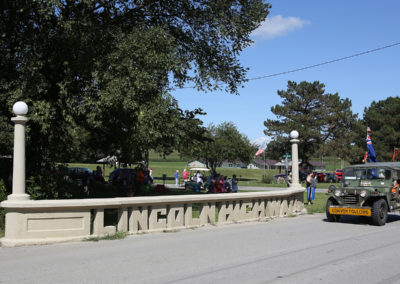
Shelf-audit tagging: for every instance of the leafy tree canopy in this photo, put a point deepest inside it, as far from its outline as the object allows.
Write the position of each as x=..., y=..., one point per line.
x=87, y=66
x=224, y=143
x=322, y=119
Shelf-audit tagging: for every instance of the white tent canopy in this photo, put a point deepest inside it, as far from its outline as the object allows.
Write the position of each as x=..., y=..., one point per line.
x=199, y=169
x=108, y=159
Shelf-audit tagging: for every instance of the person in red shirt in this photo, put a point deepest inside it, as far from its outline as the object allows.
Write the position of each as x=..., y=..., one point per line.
x=221, y=184
x=185, y=175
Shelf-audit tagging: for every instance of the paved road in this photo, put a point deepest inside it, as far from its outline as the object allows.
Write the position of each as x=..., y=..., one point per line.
x=303, y=249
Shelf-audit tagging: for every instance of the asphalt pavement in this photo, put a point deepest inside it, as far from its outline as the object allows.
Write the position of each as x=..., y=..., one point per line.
x=302, y=249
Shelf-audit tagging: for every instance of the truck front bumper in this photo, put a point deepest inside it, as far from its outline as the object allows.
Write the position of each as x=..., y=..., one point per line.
x=345, y=210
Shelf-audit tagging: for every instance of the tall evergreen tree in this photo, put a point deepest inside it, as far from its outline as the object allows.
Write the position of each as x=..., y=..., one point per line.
x=324, y=121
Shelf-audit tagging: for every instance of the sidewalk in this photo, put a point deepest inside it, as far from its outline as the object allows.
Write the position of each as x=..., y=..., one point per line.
x=251, y=188
x=264, y=188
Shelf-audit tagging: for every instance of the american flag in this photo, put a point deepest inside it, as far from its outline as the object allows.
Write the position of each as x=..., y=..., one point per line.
x=260, y=151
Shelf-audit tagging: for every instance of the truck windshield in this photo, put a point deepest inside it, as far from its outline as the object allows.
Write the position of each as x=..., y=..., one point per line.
x=366, y=173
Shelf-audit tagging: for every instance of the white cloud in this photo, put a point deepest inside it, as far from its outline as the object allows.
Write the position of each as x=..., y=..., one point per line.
x=278, y=26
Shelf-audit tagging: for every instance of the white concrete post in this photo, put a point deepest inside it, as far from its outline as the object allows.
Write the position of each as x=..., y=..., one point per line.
x=18, y=183
x=295, y=160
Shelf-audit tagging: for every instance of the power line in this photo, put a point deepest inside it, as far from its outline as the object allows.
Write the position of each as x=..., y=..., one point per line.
x=319, y=64
x=326, y=62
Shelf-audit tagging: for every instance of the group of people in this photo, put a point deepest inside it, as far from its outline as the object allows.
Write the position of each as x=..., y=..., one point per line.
x=132, y=182
x=311, y=184
x=221, y=184
x=186, y=177
x=214, y=183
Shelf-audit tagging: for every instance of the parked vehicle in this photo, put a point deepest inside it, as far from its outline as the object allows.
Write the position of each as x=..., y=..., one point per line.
x=122, y=175
x=330, y=177
x=320, y=176
x=338, y=174
x=370, y=190
x=281, y=177
x=79, y=175
x=192, y=184
x=78, y=171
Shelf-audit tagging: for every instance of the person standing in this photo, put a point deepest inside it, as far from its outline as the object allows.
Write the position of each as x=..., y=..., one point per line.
x=176, y=176
x=185, y=175
x=221, y=184
x=199, y=178
x=86, y=182
x=227, y=182
x=99, y=172
x=308, y=187
x=314, y=182
x=151, y=175
x=234, y=184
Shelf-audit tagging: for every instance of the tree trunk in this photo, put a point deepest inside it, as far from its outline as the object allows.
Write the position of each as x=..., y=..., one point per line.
x=146, y=159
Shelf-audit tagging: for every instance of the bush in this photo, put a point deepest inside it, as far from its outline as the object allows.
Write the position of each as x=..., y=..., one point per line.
x=102, y=190
x=53, y=184
x=268, y=178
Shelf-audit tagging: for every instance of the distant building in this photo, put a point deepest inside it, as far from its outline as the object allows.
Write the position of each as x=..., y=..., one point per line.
x=252, y=166
x=235, y=165
x=196, y=164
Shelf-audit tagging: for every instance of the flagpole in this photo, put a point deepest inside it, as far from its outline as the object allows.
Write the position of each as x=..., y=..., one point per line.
x=264, y=164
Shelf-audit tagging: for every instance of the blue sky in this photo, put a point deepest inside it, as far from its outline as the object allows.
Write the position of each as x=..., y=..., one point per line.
x=303, y=33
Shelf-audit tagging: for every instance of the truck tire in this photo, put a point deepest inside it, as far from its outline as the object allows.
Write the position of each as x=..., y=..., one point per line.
x=379, y=212
x=329, y=216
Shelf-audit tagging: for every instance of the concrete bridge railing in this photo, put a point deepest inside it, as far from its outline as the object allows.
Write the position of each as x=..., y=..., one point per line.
x=49, y=221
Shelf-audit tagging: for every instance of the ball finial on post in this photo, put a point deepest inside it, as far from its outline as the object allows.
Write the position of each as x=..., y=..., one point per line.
x=20, y=108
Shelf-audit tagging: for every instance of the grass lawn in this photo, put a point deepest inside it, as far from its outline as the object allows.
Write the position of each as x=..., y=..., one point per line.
x=247, y=177
x=319, y=203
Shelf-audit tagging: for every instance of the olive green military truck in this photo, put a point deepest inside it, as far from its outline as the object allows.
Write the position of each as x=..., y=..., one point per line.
x=366, y=190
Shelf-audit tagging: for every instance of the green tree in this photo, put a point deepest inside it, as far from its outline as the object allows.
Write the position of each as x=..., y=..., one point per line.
x=324, y=121
x=87, y=68
x=224, y=143
x=384, y=120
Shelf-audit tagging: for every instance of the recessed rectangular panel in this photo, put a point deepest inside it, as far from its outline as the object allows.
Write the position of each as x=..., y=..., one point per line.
x=55, y=224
